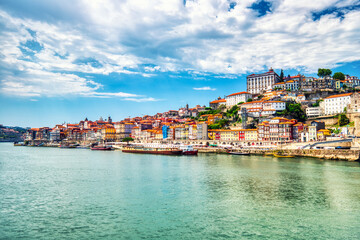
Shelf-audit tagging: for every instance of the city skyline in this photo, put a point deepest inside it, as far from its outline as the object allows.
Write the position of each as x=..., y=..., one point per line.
x=70, y=60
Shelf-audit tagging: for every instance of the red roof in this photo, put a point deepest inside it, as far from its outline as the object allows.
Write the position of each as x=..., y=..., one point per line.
x=239, y=93
x=218, y=101
x=339, y=95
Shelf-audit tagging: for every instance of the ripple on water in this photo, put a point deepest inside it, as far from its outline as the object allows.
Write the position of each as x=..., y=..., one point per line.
x=52, y=193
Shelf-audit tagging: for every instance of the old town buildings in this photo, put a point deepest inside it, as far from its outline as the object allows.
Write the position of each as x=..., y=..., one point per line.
x=258, y=116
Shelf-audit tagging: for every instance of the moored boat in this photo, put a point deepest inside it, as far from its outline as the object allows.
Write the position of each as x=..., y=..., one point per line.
x=68, y=146
x=101, y=148
x=19, y=144
x=239, y=153
x=188, y=150
x=147, y=150
x=83, y=147
x=282, y=155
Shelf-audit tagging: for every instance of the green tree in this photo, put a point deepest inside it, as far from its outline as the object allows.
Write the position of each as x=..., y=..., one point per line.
x=339, y=76
x=323, y=72
x=219, y=124
x=343, y=119
x=249, y=100
x=317, y=103
x=293, y=110
x=222, y=106
x=281, y=76
x=233, y=110
x=127, y=139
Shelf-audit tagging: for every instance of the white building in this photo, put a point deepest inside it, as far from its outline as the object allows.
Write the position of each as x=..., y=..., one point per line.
x=258, y=83
x=235, y=98
x=336, y=103
x=263, y=108
x=276, y=105
x=314, y=111
x=312, y=133
x=292, y=85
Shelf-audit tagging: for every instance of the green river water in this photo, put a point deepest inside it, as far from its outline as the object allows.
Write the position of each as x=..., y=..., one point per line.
x=52, y=193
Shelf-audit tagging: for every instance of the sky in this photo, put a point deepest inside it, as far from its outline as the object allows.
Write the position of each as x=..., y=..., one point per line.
x=62, y=61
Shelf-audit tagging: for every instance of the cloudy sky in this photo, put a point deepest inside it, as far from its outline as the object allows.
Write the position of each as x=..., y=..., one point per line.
x=67, y=60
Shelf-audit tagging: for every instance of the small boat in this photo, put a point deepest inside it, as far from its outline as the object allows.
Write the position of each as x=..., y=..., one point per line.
x=101, y=148
x=150, y=150
x=68, y=146
x=83, y=147
x=239, y=153
x=188, y=150
x=18, y=144
x=281, y=155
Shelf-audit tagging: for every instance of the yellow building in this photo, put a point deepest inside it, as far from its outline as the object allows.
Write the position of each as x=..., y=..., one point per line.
x=108, y=133
x=224, y=134
x=158, y=134
x=322, y=134
x=251, y=135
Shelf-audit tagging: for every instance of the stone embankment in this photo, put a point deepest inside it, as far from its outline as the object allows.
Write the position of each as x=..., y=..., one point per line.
x=328, y=154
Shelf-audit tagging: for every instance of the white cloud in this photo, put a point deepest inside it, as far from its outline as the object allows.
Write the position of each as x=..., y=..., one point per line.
x=205, y=89
x=148, y=38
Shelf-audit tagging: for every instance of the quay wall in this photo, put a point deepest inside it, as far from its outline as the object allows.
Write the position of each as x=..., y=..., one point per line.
x=329, y=154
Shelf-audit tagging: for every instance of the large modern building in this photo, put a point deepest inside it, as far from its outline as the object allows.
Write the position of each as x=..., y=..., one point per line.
x=258, y=83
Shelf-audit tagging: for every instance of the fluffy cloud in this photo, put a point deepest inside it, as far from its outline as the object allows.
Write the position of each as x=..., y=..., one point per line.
x=45, y=44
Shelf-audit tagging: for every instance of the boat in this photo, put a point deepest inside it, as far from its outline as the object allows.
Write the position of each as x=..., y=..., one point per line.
x=239, y=153
x=152, y=150
x=188, y=150
x=18, y=144
x=117, y=147
x=68, y=146
x=281, y=155
x=101, y=148
x=83, y=147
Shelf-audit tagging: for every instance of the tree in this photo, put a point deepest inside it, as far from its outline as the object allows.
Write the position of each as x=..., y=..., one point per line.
x=249, y=100
x=127, y=139
x=317, y=104
x=294, y=110
x=222, y=106
x=339, y=76
x=219, y=124
x=343, y=119
x=323, y=72
x=281, y=76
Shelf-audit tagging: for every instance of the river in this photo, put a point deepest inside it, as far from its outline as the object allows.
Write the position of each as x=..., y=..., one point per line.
x=53, y=193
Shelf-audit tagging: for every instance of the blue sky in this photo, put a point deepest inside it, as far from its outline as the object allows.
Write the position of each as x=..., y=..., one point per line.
x=62, y=61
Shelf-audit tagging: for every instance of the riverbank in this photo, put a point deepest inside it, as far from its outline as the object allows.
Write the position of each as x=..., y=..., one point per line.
x=327, y=154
